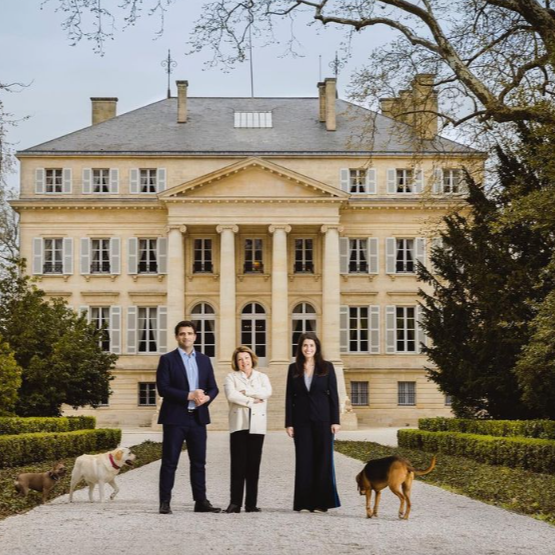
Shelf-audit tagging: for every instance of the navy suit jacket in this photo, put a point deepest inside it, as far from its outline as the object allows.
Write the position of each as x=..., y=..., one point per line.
x=173, y=386
x=320, y=404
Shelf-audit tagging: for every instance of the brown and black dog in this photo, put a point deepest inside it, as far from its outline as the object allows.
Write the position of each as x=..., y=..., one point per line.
x=40, y=481
x=395, y=472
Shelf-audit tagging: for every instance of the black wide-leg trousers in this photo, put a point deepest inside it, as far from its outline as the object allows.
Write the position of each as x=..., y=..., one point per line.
x=246, y=453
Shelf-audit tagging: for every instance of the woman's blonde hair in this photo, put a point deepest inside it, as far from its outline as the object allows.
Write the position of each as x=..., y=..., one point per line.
x=243, y=349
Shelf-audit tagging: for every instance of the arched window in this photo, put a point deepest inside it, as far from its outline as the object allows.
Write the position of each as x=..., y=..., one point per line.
x=253, y=330
x=204, y=318
x=303, y=320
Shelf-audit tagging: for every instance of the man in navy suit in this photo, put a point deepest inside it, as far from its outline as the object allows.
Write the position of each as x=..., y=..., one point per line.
x=185, y=379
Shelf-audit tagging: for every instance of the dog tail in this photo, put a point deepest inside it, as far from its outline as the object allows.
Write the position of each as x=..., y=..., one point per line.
x=428, y=470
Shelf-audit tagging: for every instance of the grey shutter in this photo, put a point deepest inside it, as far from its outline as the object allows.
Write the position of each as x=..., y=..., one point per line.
x=134, y=181
x=162, y=329
x=68, y=255
x=391, y=181
x=132, y=330
x=115, y=255
x=161, y=180
x=344, y=255
x=420, y=334
x=85, y=265
x=114, y=181
x=85, y=311
x=39, y=181
x=371, y=186
x=390, y=247
x=66, y=180
x=372, y=252
x=38, y=246
x=374, y=344
x=390, y=331
x=418, y=181
x=87, y=181
x=344, y=329
x=437, y=187
x=115, y=329
x=344, y=175
x=132, y=255
x=420, y=250
x=162, y=251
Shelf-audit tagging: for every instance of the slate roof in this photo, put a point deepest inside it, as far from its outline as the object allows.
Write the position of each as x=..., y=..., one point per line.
x=153, y=129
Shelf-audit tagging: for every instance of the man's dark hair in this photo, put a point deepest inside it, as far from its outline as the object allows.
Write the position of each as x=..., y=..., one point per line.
x=185, y=324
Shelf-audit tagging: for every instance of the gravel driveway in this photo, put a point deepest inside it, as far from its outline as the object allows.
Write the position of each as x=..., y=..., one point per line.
x=441, y=522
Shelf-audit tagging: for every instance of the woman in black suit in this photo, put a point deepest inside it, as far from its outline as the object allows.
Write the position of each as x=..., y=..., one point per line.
x=312, y=420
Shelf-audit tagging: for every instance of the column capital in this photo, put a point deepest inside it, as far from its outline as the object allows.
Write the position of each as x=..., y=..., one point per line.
x=230, y=227
x=274, y=227
x=325, y=228
x=181, y=228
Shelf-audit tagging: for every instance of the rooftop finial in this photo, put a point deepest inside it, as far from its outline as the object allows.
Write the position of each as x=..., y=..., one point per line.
x=336, y=65
x=169, y=64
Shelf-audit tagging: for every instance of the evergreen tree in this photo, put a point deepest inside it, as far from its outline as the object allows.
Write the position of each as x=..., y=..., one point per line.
x=10, y=379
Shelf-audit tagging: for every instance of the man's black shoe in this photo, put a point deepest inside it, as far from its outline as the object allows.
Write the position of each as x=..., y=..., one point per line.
x=253, y=510
x=233, y=508
x=165, y=508
x=206, y=507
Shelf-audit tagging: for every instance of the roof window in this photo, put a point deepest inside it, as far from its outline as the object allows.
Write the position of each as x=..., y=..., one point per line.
x=253, y=120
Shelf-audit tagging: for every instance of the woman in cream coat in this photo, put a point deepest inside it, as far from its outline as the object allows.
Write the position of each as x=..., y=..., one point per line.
x=247, y=391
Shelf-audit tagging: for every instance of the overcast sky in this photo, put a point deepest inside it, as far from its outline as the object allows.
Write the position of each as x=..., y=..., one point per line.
x=36, y=51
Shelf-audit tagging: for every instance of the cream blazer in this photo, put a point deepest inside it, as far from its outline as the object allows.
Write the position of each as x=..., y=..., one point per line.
x=241, y=404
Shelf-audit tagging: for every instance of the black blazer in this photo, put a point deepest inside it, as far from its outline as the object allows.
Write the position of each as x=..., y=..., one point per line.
x=173, y=386
x=320, y=404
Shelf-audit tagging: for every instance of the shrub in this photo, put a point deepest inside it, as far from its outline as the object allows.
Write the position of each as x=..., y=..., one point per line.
x=19, y=425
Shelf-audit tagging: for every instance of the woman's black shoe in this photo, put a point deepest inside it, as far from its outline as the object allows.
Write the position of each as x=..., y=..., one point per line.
x=252, y=510
x=233, y=508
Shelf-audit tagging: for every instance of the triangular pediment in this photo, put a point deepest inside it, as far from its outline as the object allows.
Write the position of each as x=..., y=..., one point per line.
x=254, y=178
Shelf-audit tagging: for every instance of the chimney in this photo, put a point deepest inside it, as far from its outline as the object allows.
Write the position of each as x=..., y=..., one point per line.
x=322, y=97
x=386, y=106
x=330, y=96
x=182, y=101
x=103, y=108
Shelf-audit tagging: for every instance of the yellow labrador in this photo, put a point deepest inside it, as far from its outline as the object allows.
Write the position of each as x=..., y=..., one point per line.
x=100, y=469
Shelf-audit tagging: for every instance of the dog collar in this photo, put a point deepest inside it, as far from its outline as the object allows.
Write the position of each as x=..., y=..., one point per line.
x=113, y=463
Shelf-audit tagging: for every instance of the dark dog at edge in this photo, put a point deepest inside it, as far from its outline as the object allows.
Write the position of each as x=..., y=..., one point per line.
x=40, y=481
x=395, y=472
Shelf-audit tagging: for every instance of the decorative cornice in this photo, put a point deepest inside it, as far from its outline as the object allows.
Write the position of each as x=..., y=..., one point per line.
x=327, y=227
x=228, y=227
x=177, y=227
x=276, y=227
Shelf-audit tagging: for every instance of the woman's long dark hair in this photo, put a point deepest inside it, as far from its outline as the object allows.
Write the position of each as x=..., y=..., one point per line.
x=320, y=366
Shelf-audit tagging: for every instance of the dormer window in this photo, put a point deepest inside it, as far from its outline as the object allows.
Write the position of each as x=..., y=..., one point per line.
x=253, y=120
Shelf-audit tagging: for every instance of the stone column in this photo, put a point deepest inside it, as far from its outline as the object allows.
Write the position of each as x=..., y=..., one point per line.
x=280, y=301
x=176, y=279
x=227, y=334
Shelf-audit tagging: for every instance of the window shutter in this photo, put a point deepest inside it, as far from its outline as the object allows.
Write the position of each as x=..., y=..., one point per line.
x=438, y=182
x=37, y=255
x=463, y=185
x=87, y=181
x=371, y=186
x=344, y=179
x=162, y=251
x=39, y=181
x=390, y=333
x=115, y=329
x=132, y=255
x=134, y=181
x=420, y=334
x=391, y=181
x=390, y=246
x=372, y=249
x=85, y=311
x=162, y=329
x=418, y=181
x=344, y=329
x=85, y=256
x=115, y=255
x=344, y=255
x=374, y=312
x=66, y=180
x=114, y=181
x=420, y=248
x=68, y=255
x=161, y=180
x=132, y=330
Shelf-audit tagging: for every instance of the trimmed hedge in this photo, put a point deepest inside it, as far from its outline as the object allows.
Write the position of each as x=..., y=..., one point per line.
x=21, y=449
x=541, y=429
x=19, y=425
x=537, y=455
